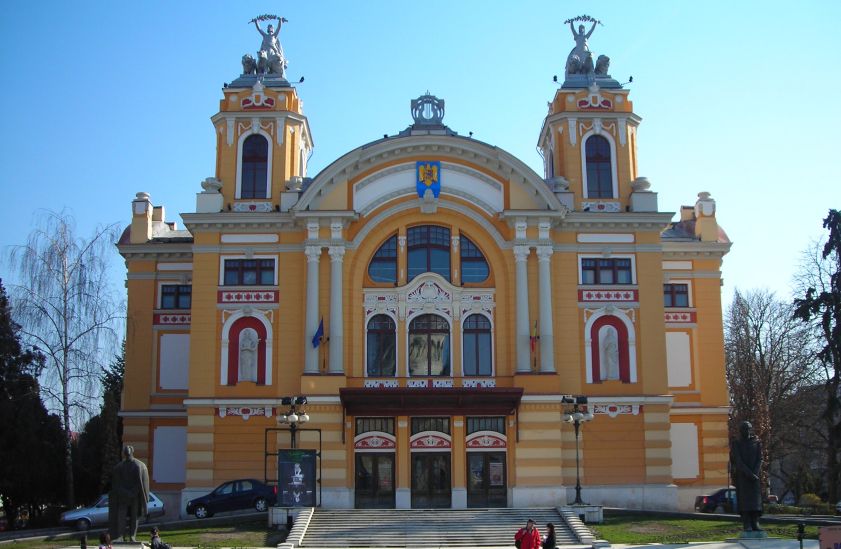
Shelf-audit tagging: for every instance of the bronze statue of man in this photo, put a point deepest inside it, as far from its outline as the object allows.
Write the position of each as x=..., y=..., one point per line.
x=129, y=495
x=746, y=458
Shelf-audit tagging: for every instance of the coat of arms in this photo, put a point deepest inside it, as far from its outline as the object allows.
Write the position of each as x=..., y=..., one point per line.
x=428, y=177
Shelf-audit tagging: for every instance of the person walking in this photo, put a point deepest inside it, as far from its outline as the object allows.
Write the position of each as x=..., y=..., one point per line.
x=549, y=541
x=528, y=537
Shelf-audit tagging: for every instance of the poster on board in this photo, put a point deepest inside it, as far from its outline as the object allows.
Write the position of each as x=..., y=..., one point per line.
x=296, y=478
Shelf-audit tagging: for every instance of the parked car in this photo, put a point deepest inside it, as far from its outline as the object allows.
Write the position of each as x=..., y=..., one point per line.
x=97, y=514
x=838, y=508
x=720, y=501
x=236, y=494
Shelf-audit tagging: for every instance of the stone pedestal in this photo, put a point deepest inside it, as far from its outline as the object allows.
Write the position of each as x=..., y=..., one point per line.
x=753, y=534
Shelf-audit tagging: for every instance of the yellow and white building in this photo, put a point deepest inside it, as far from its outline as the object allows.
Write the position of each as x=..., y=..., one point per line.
x=454, y=319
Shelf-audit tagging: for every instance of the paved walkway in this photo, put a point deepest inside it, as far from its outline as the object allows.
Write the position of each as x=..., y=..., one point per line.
x=769, y=543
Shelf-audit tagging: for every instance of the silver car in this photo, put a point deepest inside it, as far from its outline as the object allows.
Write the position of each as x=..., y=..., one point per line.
x=97, y=514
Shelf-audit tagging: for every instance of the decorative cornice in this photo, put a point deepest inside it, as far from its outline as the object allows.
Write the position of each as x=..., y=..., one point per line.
x=153, y=413
x=694, y=248
x=622, y=220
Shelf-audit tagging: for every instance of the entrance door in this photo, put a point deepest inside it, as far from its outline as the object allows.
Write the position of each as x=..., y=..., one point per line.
x=374, y=481
x=486, y=479
x=431, y=485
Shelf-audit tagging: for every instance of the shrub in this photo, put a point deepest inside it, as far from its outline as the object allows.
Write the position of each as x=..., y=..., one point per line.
x=809, y=500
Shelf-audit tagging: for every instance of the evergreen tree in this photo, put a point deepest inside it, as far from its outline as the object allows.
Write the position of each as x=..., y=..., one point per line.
x=99, y=447
x=821, y=307
x=30, y=438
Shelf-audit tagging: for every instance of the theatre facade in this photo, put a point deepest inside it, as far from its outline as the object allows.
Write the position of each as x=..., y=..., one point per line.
x=439, y=304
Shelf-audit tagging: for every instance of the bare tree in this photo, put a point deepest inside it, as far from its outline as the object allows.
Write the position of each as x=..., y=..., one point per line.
x=68, y=311
x=768, y=358
x=819, y=283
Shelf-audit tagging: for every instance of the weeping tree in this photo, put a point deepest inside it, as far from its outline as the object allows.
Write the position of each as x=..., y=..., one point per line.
x=819, y=283
x=69, y=312
x=768, y=359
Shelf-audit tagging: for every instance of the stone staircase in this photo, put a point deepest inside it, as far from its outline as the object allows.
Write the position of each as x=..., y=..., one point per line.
x=324, y=528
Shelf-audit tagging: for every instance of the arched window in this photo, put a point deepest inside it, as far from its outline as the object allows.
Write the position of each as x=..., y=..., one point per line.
x=599, y=176
x=477, y=346
x=429, y=346
x=474, y=267
x=381, y=338
x=429, y=251
x=255, y=167
x=383, y=266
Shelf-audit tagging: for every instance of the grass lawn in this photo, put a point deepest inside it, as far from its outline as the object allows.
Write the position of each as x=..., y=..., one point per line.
x=241, y=534
x=644, y=528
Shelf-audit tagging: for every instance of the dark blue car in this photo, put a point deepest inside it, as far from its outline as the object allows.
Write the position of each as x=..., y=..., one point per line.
x=237, y=494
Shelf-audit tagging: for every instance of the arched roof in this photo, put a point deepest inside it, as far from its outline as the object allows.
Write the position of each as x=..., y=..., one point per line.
x=502, y=165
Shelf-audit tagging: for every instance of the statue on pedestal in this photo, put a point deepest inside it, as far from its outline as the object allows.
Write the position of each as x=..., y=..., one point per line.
x=746, y=461
x=580, y=59
x=270, y=58
x=128, y=497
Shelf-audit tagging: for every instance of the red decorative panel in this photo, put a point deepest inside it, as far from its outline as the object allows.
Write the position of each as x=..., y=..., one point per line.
x=258, y=103
x=687, y=317
x=614, y=410
x=486, y=441
x=595, y=102
x=247, y=296
x=611, y=294
x=374, y=442
x=430, y=441
x=172, y=319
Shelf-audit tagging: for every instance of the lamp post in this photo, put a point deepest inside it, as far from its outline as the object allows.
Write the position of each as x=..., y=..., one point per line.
x=577, y=417
x=294, y=415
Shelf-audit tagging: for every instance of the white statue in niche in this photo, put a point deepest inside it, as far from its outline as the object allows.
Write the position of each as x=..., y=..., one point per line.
x=608, y=353
x=248, y=355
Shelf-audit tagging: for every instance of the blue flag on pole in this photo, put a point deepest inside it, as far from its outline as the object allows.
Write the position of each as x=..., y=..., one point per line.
x=319, y=334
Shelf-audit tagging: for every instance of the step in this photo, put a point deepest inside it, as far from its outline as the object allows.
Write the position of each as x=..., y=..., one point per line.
x=427, y=527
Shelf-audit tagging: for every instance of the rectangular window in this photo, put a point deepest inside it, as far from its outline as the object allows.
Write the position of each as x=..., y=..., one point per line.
x=606, y=271
x=476, y=424
x=176, y=296
x=249, y=272
x=381, y=424
x=439, y=424
x=676, y=295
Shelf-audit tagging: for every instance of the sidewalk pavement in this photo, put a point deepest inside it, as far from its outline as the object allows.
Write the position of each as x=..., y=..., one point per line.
x=767, y=543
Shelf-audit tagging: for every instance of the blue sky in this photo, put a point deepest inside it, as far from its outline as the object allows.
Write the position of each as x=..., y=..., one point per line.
x=101, y=100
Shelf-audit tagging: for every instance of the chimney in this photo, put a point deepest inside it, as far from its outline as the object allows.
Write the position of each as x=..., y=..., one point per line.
x=706, y=227
x=141, y=219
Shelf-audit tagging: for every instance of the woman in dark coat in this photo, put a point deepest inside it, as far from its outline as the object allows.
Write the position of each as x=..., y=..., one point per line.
x=549, y=541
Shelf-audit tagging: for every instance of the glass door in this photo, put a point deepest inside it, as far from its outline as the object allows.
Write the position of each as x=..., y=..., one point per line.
x=486, y=479
x=374, y=481
x=431, y=484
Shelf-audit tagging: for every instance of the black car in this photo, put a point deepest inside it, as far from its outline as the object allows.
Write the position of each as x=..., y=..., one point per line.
x=236, y=494
x=721, y=501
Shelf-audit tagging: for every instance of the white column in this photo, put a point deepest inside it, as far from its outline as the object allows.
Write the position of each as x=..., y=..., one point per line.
x=547, y=352
x=312, y=318
x=337, y=254
x=521, y=255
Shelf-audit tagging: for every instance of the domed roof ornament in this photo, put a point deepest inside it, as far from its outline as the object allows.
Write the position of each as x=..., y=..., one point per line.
x=428, y=110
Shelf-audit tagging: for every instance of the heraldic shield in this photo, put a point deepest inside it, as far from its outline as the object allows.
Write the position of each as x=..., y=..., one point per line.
x=428, y=177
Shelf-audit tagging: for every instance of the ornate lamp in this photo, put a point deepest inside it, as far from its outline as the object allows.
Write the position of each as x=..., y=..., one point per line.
x=294, y=415
x=577, y=417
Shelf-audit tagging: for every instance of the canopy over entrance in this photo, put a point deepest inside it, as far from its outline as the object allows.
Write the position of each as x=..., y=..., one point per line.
x=425, y=401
